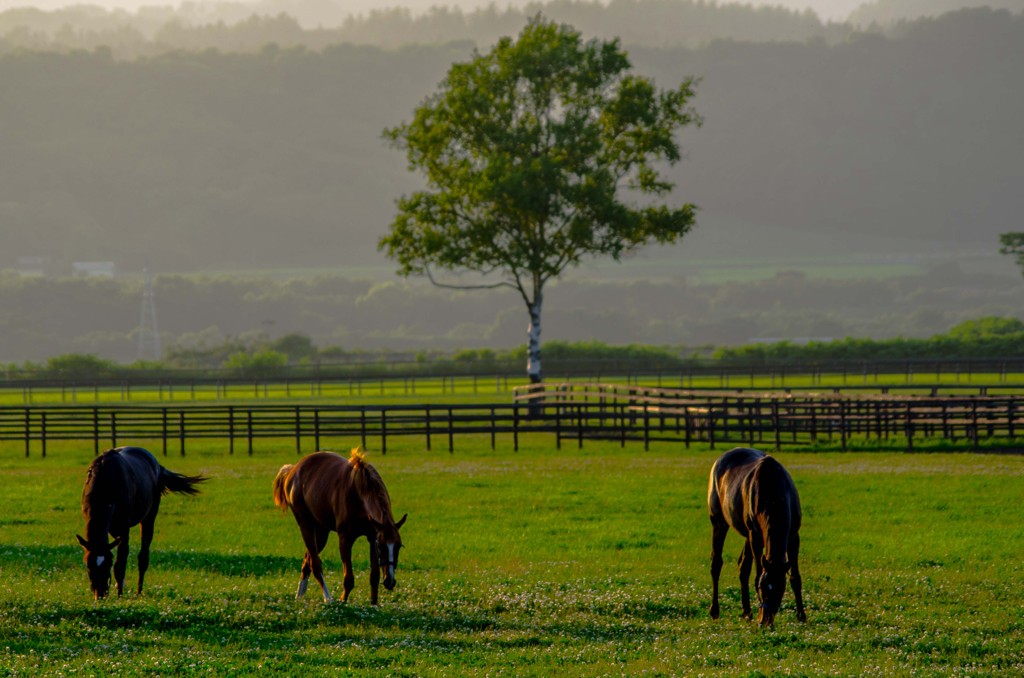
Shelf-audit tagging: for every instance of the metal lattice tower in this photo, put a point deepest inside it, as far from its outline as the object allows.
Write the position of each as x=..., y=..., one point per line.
x=149, y=338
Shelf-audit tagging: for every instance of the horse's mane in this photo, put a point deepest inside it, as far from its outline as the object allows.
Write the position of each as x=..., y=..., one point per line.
x=770, y=469
x=95, y=478
x=771, y=485
x=368, y=484
x=97, y=489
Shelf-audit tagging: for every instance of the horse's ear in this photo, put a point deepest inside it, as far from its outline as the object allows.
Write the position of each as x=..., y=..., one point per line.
x=401, y=522
x=83, y=542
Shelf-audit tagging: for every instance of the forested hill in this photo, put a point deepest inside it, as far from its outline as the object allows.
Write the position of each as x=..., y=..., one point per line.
x=214, y=160
x=247, y=26
x=882, y=12
x=314, y=24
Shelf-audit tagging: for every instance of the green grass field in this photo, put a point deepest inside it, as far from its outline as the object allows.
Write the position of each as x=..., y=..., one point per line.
x=589, y=563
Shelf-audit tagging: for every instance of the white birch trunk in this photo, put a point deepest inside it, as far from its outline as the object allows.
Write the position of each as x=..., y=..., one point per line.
x=533, y=346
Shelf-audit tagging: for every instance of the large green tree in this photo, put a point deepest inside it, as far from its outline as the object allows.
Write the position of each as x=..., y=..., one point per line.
x=537, y=155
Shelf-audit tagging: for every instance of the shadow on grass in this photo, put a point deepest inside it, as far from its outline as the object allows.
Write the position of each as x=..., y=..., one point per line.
x=38, y=560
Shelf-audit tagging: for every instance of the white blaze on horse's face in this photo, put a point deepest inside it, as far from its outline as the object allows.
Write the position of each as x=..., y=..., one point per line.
x=387, y=556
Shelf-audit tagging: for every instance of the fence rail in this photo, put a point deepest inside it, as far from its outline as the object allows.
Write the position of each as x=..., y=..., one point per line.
x=572, y=412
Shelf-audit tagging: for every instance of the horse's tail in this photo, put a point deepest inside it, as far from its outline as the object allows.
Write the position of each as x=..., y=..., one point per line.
x=176, y=482
x=280, y=492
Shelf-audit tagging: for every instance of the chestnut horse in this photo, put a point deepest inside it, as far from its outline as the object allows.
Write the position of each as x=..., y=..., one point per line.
x=328, y=493
x=122, y=489
x=752, y=493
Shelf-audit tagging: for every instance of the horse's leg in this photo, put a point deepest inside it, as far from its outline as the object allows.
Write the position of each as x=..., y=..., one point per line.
x=719, y=529
x=746, y=560
x=374, y=572
x=146, y=540
x=307, y=569
x=121, y=563
x=345, y=547
x=756, y=551
x=309, y=538
x=794, y=576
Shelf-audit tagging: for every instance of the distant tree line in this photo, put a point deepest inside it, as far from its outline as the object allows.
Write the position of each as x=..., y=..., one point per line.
x=203, y=321
x=248, y=28
x=989, y=338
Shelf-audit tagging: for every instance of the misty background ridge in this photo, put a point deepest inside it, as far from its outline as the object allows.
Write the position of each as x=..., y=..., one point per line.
x=44, y=317
x=860, y=152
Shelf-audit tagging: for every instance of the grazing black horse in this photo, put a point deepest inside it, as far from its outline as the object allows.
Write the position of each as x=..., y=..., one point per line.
x=752, y=493
x=122, y=489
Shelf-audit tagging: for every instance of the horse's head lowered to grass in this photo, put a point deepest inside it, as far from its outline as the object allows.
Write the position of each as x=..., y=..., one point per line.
x=99, y=559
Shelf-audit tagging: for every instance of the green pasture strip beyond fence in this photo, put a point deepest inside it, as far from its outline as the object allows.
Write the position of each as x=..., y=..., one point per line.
x=478, y=389
x=536, y=563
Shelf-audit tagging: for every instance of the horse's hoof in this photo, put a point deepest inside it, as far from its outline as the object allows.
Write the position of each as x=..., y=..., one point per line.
x=714, y=613
x=801, y=617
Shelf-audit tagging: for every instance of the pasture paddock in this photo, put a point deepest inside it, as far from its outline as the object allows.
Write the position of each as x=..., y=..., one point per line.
x=591, y=562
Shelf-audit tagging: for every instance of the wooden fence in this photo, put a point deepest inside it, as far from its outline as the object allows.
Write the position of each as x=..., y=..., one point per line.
x=775, y=419
x=570, y=411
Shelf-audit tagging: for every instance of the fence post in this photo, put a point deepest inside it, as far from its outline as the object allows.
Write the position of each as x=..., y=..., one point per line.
x=647, y=429
x=163, y=428
x=95, y=431
x=558, y=424
x=451, y=433
x=298, y=431
x=383, y=429
x=775, y=424
x=28, y=431
x=909, y=425
x=493, y=427
x=248, y=429
x=113, y=428
x=687, y=427
x=362, y=426
x=316, y=429
x=842, y=424
x=579, y=427
x=231, y=429
x=426, y=424
x=622, y=423
x=42, y=432
x=181, y=431
x=974, y=423
x=515, y=427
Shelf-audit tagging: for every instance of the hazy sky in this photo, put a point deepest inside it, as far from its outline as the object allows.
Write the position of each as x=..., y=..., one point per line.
x=827, y=9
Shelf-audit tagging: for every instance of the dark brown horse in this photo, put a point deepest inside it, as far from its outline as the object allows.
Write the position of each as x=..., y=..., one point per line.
x=122, y=489
x=752, y=493
x=328, y=493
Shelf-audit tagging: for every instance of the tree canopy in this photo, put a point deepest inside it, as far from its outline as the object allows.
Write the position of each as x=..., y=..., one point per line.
x=538, y=155
x=1013, y=243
